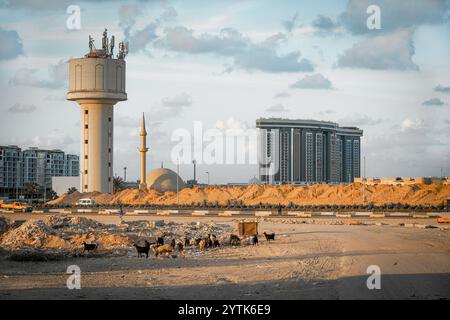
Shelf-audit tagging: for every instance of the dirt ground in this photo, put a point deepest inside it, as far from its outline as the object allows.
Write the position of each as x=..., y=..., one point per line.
x=306, y=261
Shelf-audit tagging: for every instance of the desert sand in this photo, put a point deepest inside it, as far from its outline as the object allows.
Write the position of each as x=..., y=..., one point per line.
x=320, y=194
x=308, y=260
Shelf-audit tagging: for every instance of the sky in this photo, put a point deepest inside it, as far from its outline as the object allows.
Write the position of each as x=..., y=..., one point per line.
x=226, y=63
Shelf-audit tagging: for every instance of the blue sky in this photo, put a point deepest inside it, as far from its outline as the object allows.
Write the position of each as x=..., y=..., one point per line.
x=227, y=63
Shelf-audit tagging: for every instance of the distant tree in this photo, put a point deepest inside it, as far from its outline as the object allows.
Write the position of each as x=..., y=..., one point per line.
x=51, y=194
x=118, y=184
x=71, y=190
x=32, y=189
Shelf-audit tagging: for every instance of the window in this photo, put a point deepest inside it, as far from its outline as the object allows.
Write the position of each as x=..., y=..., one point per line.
x=109, y=164
x=85, y=126
x=85, y=156
x=85, y=186
x=85, y=171
x=109, y=119
x=85, y=112
x=109, y=149
x=85, y=142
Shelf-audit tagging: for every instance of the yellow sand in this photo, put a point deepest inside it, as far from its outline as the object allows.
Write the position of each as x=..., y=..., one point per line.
x=320, y=194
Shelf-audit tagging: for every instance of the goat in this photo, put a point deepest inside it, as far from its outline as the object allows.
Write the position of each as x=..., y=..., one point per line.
x=142, y=250
x=89, y=246
x=234, y=240
x=160, y=241
x=162, y=249
x=202, y=245
x=254, y=240
x=179, y=246
x=216, y=243
x=269, y=236
x=172, y=243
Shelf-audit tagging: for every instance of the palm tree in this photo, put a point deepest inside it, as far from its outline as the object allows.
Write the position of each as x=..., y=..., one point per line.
x=71, y=190
x=118, y=184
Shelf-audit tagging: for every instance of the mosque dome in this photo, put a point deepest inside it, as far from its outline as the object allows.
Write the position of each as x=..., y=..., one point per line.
x=163, y=179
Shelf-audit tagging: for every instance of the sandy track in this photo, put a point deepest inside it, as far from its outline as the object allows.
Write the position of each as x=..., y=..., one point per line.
x=306, y=261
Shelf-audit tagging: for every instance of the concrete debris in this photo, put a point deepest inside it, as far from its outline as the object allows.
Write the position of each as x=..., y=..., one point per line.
x=34, y=238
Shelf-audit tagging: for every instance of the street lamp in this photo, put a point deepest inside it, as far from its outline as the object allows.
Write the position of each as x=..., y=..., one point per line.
x=207, y=172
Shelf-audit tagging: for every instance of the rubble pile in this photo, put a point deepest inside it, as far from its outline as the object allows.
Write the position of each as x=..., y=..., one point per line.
x=38, y=240
x=33, y=233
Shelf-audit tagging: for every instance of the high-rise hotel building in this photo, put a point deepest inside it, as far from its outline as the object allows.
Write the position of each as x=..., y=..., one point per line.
x=308, y=151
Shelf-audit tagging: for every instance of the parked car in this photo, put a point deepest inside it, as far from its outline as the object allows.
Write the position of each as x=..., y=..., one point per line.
x=85, y=202
x=15, y=206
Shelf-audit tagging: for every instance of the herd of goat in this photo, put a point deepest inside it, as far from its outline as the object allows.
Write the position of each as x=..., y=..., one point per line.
x=158, y=246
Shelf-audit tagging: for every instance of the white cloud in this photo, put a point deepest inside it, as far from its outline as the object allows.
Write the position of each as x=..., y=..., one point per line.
x=180, y=100
x=390, y=51
x=412, y=124
x=58, y=75
x=22, y=108
x=277, y=108
x=315, y=81
x=433, y=102
x=282, y=95
x=360, y=120
x=10, y=44
x=442, y=89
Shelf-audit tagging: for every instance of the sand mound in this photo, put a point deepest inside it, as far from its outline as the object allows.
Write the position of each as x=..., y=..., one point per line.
x=321, y=194
x=33, y=233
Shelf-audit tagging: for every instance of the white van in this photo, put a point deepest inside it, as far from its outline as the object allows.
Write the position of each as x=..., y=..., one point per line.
x=85, y=202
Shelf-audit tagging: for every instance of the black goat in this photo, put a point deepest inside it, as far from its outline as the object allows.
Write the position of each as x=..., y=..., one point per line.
x=269, y=236
x=235, y=240
x=143, y=250
x=89, y=246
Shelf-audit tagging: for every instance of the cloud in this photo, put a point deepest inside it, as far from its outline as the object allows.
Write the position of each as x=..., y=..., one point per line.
x=34, y=4
x=277, y=108
x=412, y=125
x=171, y=107
x=282, y=95
x=382, y=52
x=315, y=81
x=290, y=25
x=359, y=120
x=324, y=25
x=169, y=14
x=232, y=124
x=180, y=100
x=181, y=39
x=22, y=108
x=10, y=44
x=433, y=102
x=58, y=75
x=395, y=15
x=54, y=140
x=442, y=89
x=140, y=39
x=267, y=60
x=245, y=54
x=326, y=112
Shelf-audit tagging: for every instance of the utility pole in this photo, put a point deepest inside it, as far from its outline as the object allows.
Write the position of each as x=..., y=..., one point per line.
x=194, y=162
x=178, y=174
x=207, y=172
x=124, y=174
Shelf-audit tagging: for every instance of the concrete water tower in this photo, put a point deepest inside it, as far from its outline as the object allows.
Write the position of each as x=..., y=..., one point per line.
x=97, y=83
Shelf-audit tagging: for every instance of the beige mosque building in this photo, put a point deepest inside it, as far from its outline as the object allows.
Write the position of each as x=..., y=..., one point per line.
x=160, y=179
